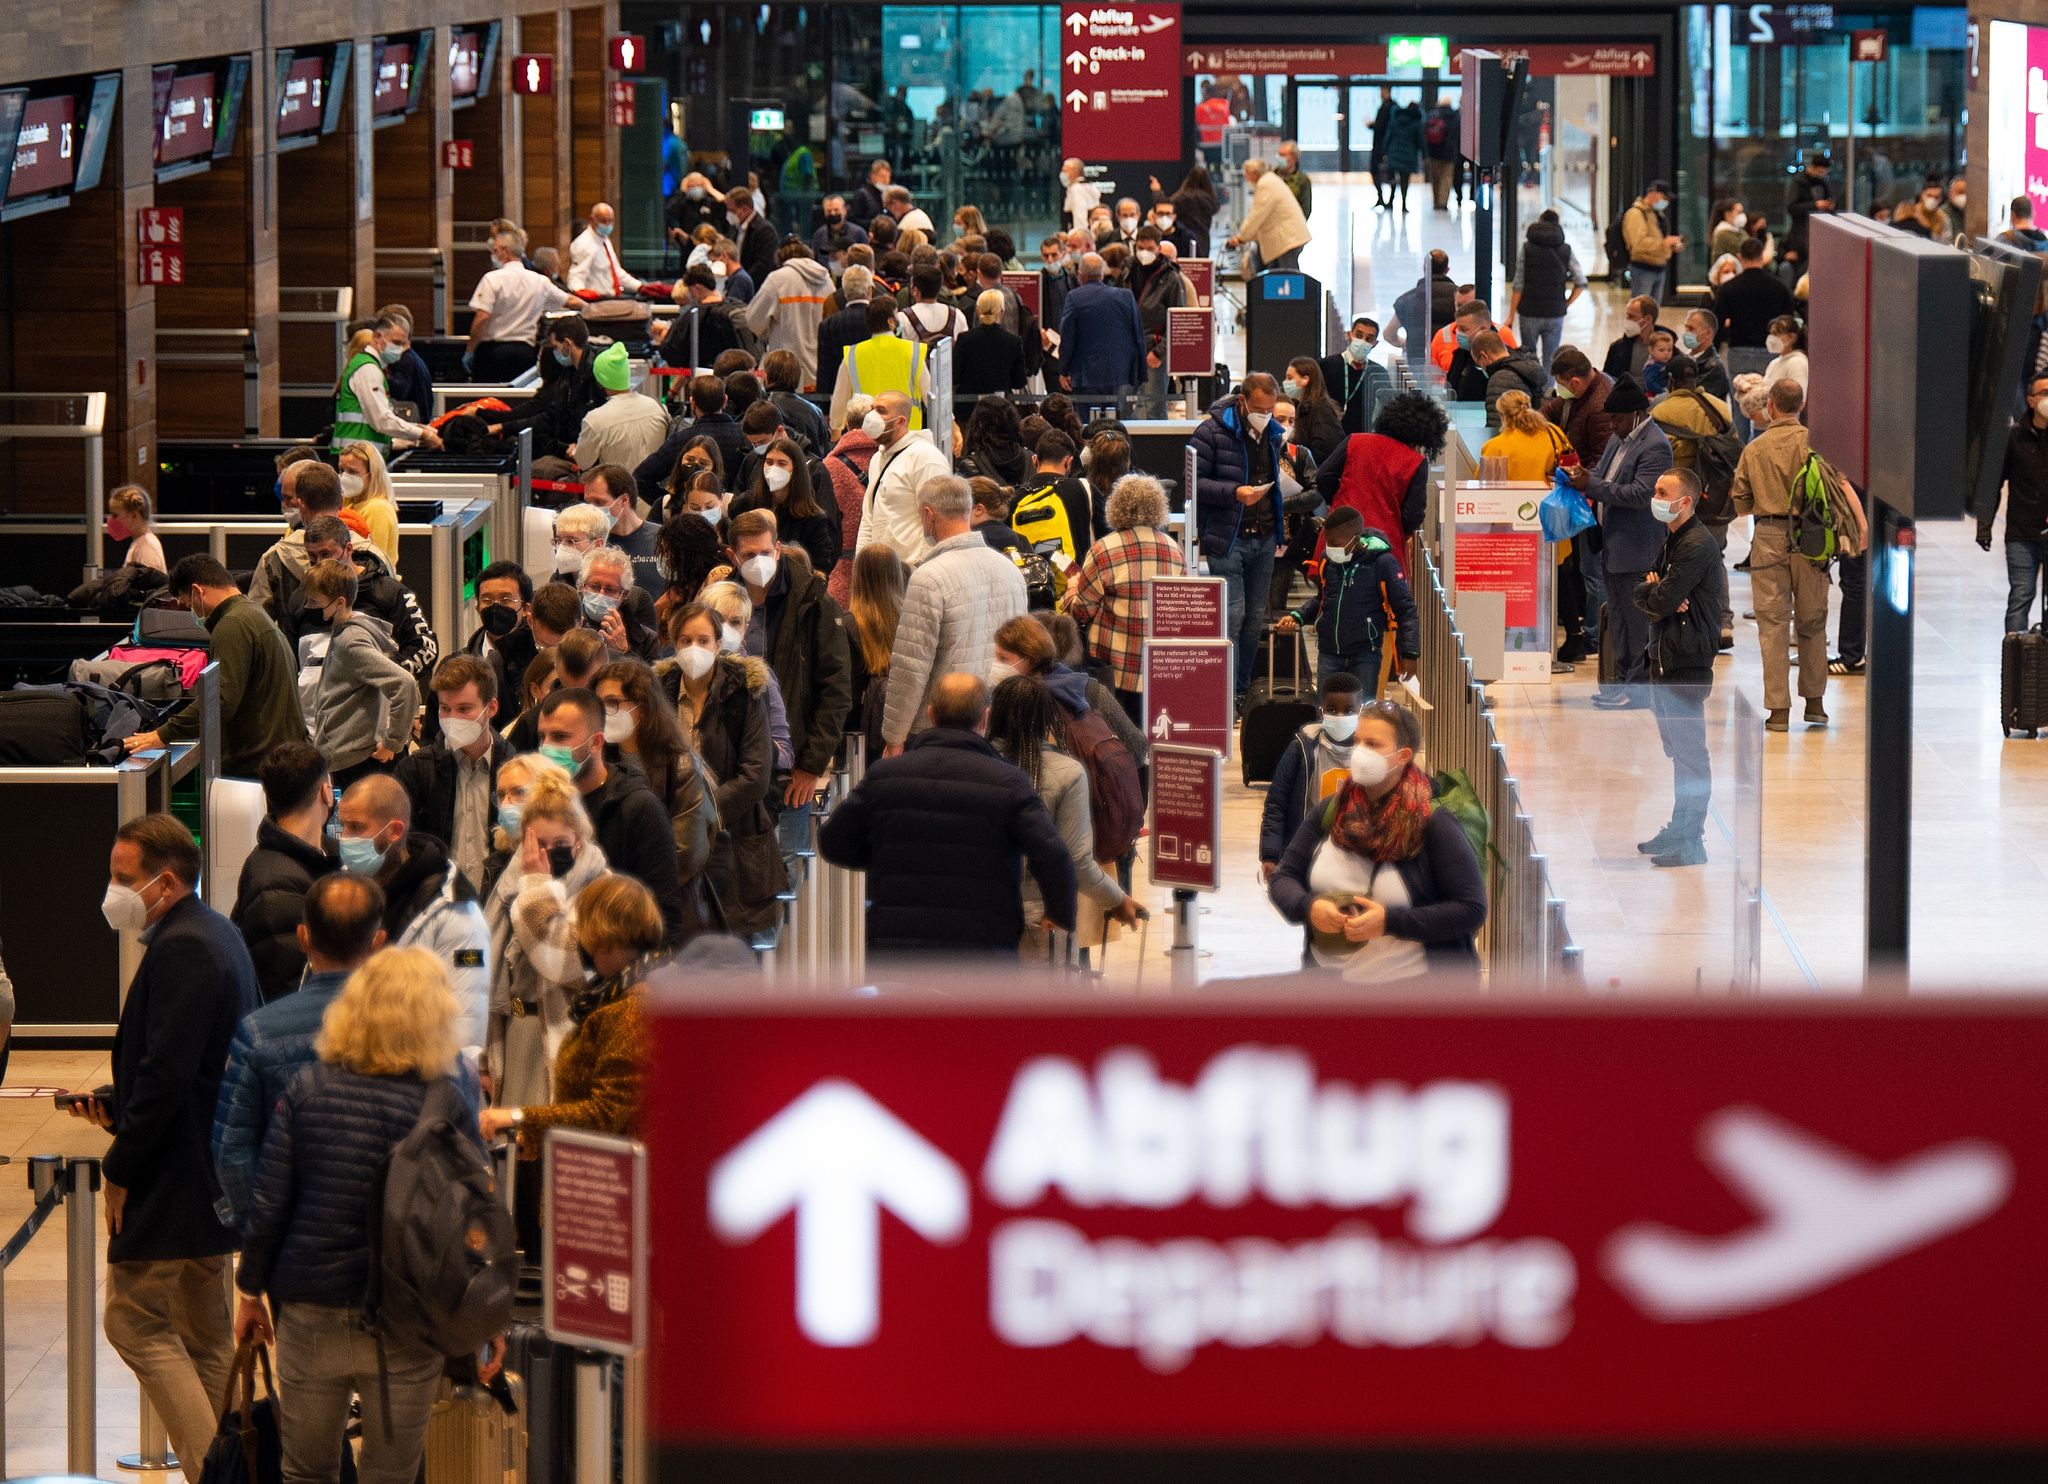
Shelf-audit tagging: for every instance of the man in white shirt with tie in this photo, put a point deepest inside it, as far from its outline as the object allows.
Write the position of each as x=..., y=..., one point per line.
x=594, y=263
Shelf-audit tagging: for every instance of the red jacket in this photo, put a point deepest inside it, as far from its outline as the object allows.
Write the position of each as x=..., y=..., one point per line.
x=1377, y=472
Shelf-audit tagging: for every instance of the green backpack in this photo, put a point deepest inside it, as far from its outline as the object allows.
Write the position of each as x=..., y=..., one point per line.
x=1816, y=534
x=1455, y=795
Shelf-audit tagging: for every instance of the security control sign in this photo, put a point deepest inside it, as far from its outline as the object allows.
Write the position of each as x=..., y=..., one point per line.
x=1185, y=608
x=1188, y=697
x=1271, y=1220
x=594, y=1198
x=1190, y=342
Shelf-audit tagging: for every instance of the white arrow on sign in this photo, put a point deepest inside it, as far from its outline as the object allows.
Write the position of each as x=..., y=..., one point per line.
x=1076, y=99
x=836, y=1157
x=1077, y=23
x=1828, y=1215
x=1076, y=60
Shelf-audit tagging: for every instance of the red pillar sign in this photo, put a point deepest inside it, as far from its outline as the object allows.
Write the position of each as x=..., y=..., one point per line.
x=628, y=53
x=458, y=154
x=624, y=107
x=594, y=1193
x=533, y=75
x=160, y=245
x=1120, y=81
x=1187, y=693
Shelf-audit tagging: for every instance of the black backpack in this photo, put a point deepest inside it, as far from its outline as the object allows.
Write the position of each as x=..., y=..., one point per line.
x=1615, y=243
x=1714, y=460
x=443, y=1264
x=71, y=723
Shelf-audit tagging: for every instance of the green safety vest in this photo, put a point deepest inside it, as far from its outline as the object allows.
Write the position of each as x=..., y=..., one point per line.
x=350, y=425
x=889, y=363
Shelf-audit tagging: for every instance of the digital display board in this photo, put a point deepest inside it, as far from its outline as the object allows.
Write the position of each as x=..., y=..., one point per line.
x=391, y=91
x=45, y=148
x=465, y=58
x=185, y=122
x=302, y=97
x=2016, y=68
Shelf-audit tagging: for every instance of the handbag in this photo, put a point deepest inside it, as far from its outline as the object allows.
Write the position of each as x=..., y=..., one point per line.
x=245, y=1448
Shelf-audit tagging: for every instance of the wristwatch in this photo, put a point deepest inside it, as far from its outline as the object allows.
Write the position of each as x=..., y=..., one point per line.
x=518, y=1118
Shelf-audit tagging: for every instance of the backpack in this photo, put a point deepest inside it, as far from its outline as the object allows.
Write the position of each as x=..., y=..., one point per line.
x=106, y=718
x=1436, y=129
x=158, y=681
x=1116, y=801
x=1043, y=583
x=1822, y=529
x=930, y=337
x=1714, y=460
x=443, y=1264
x=1042, y=516
x=1615, y=243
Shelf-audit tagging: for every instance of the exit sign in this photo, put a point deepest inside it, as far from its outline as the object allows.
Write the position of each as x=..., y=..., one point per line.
x=1417, y=51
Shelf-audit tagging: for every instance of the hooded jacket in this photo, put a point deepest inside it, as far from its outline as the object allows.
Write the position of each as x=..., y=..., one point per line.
x=428, y=904
x=788, y=308
x=379, y=594
x=1520, y=372
x=634, y=828
x=365, y=698
x=1223, y=452
x=270, y=903
x=1350, y=603
x=1546, y=271
x=807, y=649
x=746, y=868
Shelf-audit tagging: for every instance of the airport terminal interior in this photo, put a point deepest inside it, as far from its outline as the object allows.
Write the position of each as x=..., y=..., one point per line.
x=734, y=600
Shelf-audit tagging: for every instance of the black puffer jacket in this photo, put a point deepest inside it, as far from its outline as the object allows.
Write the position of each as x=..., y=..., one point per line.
x=270, y=903
x=330, y=1136
x=746, y=868
x=940, y=830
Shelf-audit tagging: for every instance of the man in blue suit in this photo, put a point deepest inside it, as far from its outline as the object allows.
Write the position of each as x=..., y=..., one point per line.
x=1102, y=339
x=1620, y=487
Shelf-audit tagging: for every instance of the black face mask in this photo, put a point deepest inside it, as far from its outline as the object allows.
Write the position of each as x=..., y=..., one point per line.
x=835, y=222
x=498, y=620
x=561, y=860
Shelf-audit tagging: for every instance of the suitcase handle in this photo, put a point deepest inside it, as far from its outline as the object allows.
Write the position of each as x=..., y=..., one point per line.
x=1272, y=656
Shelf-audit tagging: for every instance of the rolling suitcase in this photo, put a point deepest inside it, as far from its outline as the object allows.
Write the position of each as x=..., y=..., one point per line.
x=2023, y=684
x=1274, y=710
x=548, y=1406
x=472, y=1439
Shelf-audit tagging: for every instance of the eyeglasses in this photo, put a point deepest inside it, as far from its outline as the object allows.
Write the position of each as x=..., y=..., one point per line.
x=604, y=590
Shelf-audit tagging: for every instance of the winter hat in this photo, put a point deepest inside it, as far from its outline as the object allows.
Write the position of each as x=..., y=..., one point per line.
x=612, y=370
x=1627, y=395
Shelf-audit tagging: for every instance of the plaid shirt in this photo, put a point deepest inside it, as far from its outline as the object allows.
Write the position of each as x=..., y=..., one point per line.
x=1111, y=596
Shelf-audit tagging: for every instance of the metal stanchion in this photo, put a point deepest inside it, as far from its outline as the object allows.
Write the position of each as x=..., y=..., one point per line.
x=1185, y=954
x=80, y=1318
x=153, y=1449
x=593, y=1423
x=635, y=1462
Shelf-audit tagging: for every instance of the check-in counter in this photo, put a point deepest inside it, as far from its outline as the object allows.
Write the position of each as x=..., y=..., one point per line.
x=504, y=482
x=438, y=559
x=37, y=645
x=69, y=969
x=1159, y=447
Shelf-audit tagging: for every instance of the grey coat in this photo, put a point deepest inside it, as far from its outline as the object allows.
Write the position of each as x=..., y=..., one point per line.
x=958, y=597
x=365, y=697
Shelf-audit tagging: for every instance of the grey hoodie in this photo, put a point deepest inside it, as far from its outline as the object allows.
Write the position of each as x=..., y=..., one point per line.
x=365, y=696
x=786, y=310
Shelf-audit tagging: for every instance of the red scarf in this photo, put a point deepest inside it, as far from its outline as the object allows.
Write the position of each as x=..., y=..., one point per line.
x=1390, y=830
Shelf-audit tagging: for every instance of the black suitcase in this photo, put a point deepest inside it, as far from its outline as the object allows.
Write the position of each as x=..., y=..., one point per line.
x=549, y=1371
x=43, y=728
x=1274, y=710
x=2023, y=684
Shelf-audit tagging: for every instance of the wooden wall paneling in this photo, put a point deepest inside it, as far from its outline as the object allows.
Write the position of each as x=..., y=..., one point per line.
x=590, y=113
x=538, y=118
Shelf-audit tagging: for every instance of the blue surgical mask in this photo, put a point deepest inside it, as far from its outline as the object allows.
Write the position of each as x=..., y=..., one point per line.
x=360, y=856
x=603, y=229
x=1689, y=340
x=391, y=355
x=1355, y=351
x=1464, y=341
x=562, y=757
x=563, y=358
x=510, y=817
x=599, y=606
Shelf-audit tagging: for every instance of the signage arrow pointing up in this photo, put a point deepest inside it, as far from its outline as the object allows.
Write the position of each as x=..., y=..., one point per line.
x=836, y=1157
x=1076, y=98
x=1828, y=1216
x=1076, y=60
x=1077, y=23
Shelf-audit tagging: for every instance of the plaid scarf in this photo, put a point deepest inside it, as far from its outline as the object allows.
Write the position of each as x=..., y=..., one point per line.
x=1390, y=830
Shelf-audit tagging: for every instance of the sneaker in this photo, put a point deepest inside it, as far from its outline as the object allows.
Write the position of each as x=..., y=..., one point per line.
x=1571, y=652
x=1660, y=842
x=1816, y=713
x=1562, y=667
x=1689, y=852
x=1840, y=666
x=1619, y=700
x=1779, y=721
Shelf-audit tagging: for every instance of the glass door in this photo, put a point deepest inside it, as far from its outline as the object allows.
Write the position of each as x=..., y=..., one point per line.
x=1322, y=127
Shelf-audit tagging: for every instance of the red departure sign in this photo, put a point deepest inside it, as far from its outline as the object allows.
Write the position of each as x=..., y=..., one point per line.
x=1286, y=58
x=1185, y=608
x=1187, y=693
x=1120, y=81
x=1185, y=823
x=533, y=75
x=930, y=1218
x=1556, y=59
x=594, y=1189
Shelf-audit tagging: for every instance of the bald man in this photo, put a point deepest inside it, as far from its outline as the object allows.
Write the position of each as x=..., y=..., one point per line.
x=904, y=461
x=941, y=829
x=593, y=261
x=428, y=903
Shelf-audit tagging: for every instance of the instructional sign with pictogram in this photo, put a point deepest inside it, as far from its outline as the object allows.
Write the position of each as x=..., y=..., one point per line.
x=1185, y=821
x=533, y=75
x=594, y=1198
x=160, y=245
x=1187, y=693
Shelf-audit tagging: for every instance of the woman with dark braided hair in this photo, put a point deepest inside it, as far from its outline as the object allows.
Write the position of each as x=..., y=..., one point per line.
x=1384, y=474
x=1387, y=884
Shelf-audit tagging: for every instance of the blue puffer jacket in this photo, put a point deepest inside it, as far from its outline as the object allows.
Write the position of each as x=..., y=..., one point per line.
x=271, y=1047
x=306, y=1234
x=1223, y=454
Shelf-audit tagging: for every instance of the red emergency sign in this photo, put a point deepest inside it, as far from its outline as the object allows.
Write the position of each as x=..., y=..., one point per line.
x=1267, y=1221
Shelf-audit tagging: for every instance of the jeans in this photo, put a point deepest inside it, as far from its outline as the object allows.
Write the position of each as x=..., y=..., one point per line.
x=1247, y=573
x=1628, y=629
x=1852, y=630
x=1596, y=593
x=1648, y=282
x=1543, y=334
x=169, y=1322
x=2023, y=563
x=1364, y=663
x=1682, y=727
x=325, y=1356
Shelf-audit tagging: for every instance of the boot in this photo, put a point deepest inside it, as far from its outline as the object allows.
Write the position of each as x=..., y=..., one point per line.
x=1816, y=713
x=1779, y=720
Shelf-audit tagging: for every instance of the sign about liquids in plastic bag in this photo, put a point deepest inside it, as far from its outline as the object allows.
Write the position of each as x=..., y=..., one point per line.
x=594, y=1194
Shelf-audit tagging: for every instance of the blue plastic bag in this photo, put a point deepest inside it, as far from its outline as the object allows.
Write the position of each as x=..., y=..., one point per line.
x=1564, y=511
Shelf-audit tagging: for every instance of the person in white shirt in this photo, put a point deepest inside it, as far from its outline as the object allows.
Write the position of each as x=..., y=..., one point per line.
x=509, y=301
x=594, y=263
x=902, y=463
x=1082, y=196
x=627, y=427
x=907, y=213
x=927, y=320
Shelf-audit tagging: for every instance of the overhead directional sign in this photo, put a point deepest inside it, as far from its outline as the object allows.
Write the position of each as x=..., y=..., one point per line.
x=1120, y=81
x=967, y=1220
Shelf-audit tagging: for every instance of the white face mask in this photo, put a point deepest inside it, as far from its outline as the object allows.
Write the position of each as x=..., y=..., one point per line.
x=1258, y=420
x=1664, y=511
x=732, y=638
x=1777, y=345
x=618, y=726
x=712, y=513
x=759, y=570
x=1001, y=670
x=1630, y=329
x=351, y=486
x=696, y=661
x=1338, y=554
x=1369, y=769
x=874, y=425
x=1166, y=222
x=124, y=908
x=461, y=731
x=1739, y=220
x=1128, y=223
x=1147, y=257
x=568, y=559
x=1340, y=726
x=776, y=477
